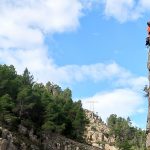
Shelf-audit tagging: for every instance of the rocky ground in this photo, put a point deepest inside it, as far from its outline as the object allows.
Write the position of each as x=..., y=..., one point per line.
x=10, y=141
x=96, y=136
x=97, y=133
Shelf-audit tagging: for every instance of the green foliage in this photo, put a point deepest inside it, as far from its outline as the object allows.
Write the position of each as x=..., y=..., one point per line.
x=27, y=78
x=127, y=137
x=45, y=108
x=6, y=106
x=8, y=81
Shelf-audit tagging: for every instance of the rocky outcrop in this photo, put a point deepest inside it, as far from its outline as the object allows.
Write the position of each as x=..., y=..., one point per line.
x=6, y=140
x=147, y=90
x=10, y=141
x=97, y=133
x=26, y=140
x=55, y=142
x=96, y=136
x=148, y=141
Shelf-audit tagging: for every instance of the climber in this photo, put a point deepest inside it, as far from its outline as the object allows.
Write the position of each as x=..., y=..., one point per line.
x=148, y=34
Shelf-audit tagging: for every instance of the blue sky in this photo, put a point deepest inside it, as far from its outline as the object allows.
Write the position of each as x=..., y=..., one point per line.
x=94, y=47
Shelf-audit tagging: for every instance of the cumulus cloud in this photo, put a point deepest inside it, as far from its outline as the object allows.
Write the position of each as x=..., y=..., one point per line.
x=89, y=4
x=123, y=102
x=25, y=23
x=23, y=29
x=125, y=10
x=126, y=98
x=133, y=82
x=145, y=5
x=122, y=10
x=44, y=68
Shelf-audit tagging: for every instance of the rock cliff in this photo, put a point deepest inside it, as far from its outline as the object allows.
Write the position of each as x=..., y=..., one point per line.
x=96, y=136
x=97, y=133
x=11, y=141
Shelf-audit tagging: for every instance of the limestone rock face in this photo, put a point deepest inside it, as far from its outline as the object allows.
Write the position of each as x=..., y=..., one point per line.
x=148, y=140
x=6, y=140
x=32, y=136
x=4, y=144
x=96, y=133
x=148, y=115
x=23, y=130
x=55, y=142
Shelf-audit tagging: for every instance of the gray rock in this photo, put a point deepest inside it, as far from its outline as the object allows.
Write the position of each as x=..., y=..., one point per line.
x=23, y=130
x=32, y=136
x=4, y=144
x=23, y=146
x=34, y=147
x=5, y=132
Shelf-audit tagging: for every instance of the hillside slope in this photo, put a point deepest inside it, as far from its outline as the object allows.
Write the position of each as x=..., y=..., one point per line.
x=97, y=133
x=28, y=141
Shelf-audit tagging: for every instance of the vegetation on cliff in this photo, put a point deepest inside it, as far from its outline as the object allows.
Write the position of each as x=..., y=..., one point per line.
x=127, y=137
x=43, y=108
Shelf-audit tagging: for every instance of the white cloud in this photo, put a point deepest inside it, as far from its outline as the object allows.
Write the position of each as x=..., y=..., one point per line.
x=133, y=82
x=23, y=29
x=122, y=10
x=125, y=10
x=24, y=26
x=89, y=4
x=145, y=4
x=123, y=102
x=126, y=99
x=25, y=23
x=96, y=72
x=44, y=68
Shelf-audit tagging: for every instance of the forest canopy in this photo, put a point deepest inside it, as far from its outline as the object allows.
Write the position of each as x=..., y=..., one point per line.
x=45, y=108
